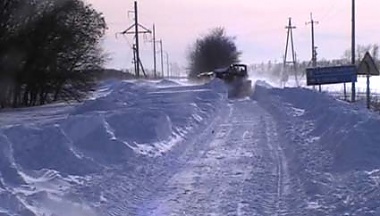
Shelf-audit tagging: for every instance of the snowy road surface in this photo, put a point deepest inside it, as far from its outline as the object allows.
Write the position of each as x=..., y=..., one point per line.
x=241, y=170
x=167, y=149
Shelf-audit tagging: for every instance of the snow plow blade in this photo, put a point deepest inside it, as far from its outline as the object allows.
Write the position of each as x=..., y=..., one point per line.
x=235, y=77
x=240, y=89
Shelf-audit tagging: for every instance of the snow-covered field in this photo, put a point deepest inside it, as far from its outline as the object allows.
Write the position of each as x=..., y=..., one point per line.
x=168, y=148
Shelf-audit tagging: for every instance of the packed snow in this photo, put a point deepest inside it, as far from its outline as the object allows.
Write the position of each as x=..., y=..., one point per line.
x=170, y=148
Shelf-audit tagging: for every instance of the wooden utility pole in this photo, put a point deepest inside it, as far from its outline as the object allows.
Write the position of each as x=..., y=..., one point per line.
x=313, y=47
x=353, y=96
x=134, y=57
x=162, y=58
x=167, y=64
x=137, y=41
x=289, y=39
x=136, y=48
x=154, y=52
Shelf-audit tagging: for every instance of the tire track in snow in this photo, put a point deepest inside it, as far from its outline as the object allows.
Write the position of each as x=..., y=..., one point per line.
x=241, y=172
x=281, y=164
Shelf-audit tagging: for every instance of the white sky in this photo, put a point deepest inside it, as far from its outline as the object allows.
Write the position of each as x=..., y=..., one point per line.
x=259, y=26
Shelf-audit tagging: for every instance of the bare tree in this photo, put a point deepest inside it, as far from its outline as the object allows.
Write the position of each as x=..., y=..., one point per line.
x=360, y=52
x=214, y=50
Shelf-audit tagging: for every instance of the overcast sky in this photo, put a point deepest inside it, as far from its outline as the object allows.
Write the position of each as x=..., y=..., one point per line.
x=259, y=26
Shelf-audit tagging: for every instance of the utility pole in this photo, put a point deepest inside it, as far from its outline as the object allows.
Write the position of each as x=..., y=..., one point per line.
x=289, y=39
x=167, y=64
x=134, y=57
x=353, y=49
x=137, y=41
x=162, y=58
x=136, y=48
x=154, y=52
x=313, y=47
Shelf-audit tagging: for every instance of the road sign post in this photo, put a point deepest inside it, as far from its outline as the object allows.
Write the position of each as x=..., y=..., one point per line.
x=368, y=67
x=368, y=89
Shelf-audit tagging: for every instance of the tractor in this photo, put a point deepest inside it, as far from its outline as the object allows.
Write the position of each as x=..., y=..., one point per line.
x=236, y=78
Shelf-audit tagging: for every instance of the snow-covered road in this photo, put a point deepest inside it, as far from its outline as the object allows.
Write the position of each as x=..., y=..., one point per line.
x=241, y=170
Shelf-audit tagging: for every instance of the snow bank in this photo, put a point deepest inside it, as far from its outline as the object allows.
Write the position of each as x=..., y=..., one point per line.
x=148, y=114
x=45, y=147
x=332, y=148
x=263, y=84
x=347, y=132
x=11, y=205
x=8, y=169
x=167, y=83
x=124, y=121
x=119, y=95
x=92, y=139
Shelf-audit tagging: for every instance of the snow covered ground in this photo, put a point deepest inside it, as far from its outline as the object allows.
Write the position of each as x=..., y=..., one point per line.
x=169, y=148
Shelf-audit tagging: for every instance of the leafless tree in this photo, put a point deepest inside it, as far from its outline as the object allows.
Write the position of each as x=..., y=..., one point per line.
x=212, y=51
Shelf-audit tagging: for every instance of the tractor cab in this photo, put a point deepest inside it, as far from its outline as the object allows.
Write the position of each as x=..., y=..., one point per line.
x=232, y=72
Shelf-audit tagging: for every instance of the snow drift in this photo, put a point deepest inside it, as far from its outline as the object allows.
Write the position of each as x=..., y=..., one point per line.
x=347, y=132
x=41, y=160
x=333, y=149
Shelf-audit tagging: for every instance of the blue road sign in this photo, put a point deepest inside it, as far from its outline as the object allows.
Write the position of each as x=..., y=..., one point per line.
x=331, y=75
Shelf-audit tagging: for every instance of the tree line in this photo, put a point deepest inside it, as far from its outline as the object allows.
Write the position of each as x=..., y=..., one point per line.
x=48, y=50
